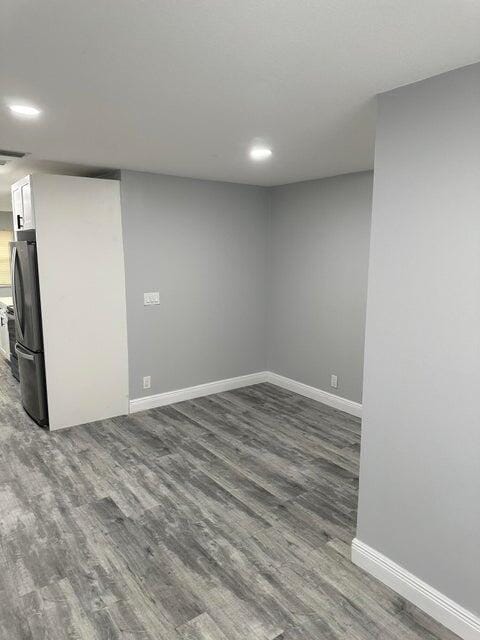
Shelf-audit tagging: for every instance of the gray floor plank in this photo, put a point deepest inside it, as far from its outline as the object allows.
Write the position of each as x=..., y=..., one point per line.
x=228, y=517
x=201, y=628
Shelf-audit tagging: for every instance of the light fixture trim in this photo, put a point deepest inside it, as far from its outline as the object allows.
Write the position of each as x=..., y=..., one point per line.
x=24, y=110
x=260, y=152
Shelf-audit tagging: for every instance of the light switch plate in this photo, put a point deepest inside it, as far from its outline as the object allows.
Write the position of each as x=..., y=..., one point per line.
x=153, y=297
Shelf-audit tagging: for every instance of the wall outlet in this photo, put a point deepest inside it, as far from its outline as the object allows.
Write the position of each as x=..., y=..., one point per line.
x=334, y=381
x=153, y=297
x=147, y=382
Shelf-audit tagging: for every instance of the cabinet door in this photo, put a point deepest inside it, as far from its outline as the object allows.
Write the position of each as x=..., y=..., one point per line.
x=22, y=204
x=28, y=214
x=17, y=206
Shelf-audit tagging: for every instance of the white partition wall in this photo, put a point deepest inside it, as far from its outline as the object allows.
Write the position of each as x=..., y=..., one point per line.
x=82, y=290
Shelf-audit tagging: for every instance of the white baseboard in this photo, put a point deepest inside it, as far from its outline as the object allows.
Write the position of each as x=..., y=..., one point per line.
x=170, y=397
x=349, y=406
x=438, y=606
x=218, y=386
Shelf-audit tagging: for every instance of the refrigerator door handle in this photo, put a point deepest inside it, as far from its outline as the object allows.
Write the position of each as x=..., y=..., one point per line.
x=12, y=273
x=19, y=312
x=23, y=354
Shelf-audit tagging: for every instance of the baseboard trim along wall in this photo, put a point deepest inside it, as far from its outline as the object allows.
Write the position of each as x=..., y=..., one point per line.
x=337, y=402
x=438, y=606
x=170, y=397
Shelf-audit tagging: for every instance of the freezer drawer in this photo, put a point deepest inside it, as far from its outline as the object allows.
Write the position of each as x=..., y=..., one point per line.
x=32, y=384
x=14, y=367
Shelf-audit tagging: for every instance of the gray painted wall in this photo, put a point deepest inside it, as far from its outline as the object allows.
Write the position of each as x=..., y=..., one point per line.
x=6, y=222
x=203, y=246
x=319, y=242
x=420, y=466
x=217, y=252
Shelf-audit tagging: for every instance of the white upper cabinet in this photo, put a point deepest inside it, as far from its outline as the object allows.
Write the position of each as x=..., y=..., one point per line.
x=23, y=211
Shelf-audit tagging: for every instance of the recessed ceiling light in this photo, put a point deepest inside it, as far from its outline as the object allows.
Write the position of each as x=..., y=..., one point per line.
x=24, y=110
x=260, y=153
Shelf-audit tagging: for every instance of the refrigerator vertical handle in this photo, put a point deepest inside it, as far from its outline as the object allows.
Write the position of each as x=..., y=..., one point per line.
x=18, y=312
x=12, y=276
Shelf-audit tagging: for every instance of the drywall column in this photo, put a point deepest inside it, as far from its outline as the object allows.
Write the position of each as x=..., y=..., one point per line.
x=82, y=290
x=420, y=463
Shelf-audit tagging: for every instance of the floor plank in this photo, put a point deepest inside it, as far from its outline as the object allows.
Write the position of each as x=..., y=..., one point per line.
x=224, y=517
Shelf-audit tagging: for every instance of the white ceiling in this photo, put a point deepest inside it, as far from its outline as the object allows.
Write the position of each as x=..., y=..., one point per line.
x=184, y=86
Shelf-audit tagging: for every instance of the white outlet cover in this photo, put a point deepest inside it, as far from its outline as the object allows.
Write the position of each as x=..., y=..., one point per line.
x=147, y=382
x=152, y=297
x=333, y=381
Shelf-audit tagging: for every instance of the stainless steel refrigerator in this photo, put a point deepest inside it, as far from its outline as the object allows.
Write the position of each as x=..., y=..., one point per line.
x=28, y=328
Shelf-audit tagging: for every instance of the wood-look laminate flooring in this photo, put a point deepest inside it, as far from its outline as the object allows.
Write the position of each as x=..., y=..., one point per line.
x=229, y=517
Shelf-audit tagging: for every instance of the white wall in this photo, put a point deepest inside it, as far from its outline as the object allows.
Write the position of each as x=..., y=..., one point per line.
x=318, y=261
x=420, y=465
x=82, y=289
